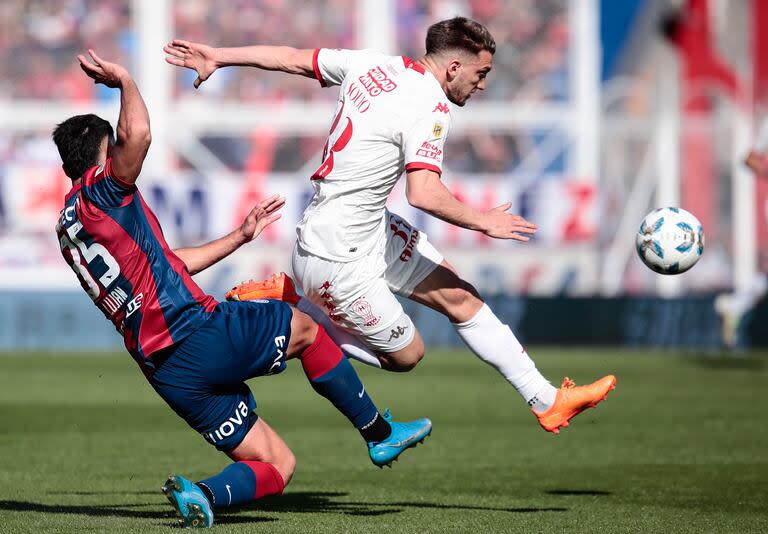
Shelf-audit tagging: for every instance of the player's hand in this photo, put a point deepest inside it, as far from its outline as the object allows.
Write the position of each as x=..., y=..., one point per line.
x=104, y=72
x=503, y=225
x=195, y=56
x=757, y=163
x=261, y=216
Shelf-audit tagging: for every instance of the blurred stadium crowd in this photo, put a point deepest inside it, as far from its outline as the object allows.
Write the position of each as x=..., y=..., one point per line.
x=39, y=39
x=36, y=55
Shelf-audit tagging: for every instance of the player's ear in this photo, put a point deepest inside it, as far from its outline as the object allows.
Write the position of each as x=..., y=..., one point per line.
x=452, y=71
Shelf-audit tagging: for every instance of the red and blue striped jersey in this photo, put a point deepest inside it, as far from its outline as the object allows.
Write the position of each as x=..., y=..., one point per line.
x=115, y=245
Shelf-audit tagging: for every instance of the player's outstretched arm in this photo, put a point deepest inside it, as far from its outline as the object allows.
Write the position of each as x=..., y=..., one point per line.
x=262, y=215
x=426, y=191
x=133, y=132
x=205, y=60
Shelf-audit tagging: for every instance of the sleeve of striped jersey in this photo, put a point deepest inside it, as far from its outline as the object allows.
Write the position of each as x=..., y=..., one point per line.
x=423, y=143
x=105, y=189
x=332, y=65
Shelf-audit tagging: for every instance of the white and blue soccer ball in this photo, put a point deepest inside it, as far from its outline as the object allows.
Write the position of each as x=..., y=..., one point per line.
x=670, y=240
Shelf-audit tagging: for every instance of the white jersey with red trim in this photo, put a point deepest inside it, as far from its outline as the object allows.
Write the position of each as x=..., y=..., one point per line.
x=392, y=116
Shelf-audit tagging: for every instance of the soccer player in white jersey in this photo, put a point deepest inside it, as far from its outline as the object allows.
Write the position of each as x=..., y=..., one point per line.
x=735, y=307
x=352, y=255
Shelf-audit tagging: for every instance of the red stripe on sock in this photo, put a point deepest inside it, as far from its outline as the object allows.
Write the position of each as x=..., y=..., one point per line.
x=269, y=481
x=321, y=356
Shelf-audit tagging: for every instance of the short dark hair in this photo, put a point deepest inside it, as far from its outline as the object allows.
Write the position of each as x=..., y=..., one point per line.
x=459, y=33
x=79, y=140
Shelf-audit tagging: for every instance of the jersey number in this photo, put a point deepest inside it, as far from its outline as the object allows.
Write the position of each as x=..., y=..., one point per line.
x=89, y=253
x=342, y=141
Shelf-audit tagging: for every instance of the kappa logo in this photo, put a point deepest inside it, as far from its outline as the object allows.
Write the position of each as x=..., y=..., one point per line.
x=395, y=333
x=328, y=302
x=442, y=107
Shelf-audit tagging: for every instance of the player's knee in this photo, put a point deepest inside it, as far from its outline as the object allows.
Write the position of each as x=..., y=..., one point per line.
x=461, y=302
x=404, y=360
x=286, y=465
x=303, y=333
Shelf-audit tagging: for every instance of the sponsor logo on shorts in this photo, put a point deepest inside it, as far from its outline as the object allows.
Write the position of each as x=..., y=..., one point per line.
x=228, y=427
x=408, y=250
x=277, y=363
x=363, y=309
x=395, y=333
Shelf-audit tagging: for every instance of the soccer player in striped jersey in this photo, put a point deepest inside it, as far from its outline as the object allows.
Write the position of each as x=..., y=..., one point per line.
x=196, y=352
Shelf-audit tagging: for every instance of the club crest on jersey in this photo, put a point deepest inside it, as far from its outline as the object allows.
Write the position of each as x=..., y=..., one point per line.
x=363, y=309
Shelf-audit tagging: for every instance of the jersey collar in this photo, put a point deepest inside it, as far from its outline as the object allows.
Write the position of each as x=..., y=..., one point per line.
x=74, y=190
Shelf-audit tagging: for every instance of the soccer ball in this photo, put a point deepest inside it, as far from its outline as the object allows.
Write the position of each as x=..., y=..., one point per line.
x=670, y=240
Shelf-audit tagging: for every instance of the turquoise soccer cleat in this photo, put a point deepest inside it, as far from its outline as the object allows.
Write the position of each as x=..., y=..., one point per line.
x=190, y=502
x=403, y=436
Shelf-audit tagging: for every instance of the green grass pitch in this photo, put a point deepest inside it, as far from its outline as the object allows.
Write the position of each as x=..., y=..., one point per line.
x=681, y=445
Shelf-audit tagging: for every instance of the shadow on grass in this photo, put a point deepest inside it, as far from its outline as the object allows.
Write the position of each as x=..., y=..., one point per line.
x=87, y=493
x=577, y=492
x=323, y=502
x=113, y=510
x=300, y=502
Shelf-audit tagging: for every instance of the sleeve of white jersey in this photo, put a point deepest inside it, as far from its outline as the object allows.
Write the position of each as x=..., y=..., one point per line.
x=423, y=143
x=332, y=65
x=761, y=142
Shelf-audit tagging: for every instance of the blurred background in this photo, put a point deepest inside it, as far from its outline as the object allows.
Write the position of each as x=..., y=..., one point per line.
x=596, y=112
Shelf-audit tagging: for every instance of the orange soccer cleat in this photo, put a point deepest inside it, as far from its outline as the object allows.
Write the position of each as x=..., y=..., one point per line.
x=571, y=400
x=276, y=287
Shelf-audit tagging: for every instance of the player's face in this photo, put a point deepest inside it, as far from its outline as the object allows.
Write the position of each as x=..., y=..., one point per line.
x=468, y=76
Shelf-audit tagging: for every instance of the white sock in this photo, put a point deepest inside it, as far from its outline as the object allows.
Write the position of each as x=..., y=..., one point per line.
x=494, y=343
x=349, y=344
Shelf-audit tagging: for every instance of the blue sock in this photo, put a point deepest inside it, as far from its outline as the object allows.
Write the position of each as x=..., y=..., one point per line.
x=242, y=483
x=234, y=486
x=333, y=377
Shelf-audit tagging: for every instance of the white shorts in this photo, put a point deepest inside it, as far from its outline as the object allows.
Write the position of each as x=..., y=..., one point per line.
x=359, y=296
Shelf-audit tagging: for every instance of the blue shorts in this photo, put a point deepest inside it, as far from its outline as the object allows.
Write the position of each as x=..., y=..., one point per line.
x=203, y=377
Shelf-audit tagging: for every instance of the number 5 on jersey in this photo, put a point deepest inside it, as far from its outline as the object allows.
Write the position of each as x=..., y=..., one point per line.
x=76, y=247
